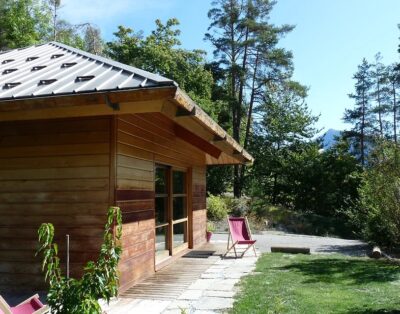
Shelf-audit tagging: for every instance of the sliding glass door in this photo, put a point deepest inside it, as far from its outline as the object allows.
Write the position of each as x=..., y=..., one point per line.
x=171, y=214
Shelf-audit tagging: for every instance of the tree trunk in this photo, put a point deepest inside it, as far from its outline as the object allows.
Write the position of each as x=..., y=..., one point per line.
x=235, y=111
x=251, y=104
x=379, y=109
x=394, y=113
x=362, y=132
x=237, y=184
x=249, y=117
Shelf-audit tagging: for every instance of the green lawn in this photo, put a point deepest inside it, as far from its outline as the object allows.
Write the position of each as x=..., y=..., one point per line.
x=286, y=283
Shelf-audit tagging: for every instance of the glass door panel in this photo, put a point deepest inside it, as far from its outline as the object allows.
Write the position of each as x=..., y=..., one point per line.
x=171, y=214
x=179, y=209
x=180, y=234
x=162, y=217
x=162, y=249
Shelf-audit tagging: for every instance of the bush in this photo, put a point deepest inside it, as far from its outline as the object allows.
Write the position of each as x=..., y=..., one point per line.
x=216, y=208
x=237, y=206
x=378, y=211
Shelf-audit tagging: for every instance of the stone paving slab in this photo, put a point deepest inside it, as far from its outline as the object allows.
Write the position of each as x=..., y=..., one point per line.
x=214, y=303
x=212, y=292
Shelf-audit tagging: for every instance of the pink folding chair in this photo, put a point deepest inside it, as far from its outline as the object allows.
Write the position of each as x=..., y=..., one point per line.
x=240, y=234
x=29, y=306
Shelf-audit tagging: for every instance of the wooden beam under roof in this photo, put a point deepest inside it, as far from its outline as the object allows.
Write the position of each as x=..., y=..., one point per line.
x=167, y=100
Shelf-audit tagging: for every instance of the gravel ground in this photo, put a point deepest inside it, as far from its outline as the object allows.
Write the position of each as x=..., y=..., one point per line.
x=316, y=244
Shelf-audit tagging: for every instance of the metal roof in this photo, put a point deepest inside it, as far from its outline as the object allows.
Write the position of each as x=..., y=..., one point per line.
x=57, y=69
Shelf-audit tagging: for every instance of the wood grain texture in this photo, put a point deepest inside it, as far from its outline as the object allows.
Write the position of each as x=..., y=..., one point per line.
x=142, y=141
x=52, y=171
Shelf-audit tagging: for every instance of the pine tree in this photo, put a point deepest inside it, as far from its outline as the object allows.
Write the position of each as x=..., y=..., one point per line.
x=361, y=116
x=245, y=47
x=394, y=85
x=381, y=93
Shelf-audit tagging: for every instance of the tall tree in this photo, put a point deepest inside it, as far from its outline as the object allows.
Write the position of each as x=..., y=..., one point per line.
x=380, y=93
x=394, y=83
x=245, y=47
x=54, y=7
x=92, y=39
x=281, y=135
x=361, y=116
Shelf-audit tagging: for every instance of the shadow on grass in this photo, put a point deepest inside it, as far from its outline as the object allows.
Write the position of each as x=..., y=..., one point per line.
x=345, y=271
x=373, y=311
x=350, y=250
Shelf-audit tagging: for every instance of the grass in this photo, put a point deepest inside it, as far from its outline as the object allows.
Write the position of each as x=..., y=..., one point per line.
x=285, y=283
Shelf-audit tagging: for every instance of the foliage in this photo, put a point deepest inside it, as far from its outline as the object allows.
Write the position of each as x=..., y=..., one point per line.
x=216, y=208
x=249, y=61
x=23, y=23
x=237, y=206
x=280, y=146
x=219, y=179
x=381, y=94
x=100, y=279
x=160, y=53
x=301, y=177
x=318, y=283
x=210, y=226
x=378, y=211
x=361, y=115
x=29, y=22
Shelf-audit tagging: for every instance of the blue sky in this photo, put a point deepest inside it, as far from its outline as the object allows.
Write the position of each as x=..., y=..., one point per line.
x=330, y=39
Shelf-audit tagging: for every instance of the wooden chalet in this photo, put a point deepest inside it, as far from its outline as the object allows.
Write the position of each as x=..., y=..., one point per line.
x=79, y=133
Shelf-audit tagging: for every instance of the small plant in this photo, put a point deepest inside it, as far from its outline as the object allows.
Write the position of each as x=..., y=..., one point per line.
x=210, y=226
x=100, y=279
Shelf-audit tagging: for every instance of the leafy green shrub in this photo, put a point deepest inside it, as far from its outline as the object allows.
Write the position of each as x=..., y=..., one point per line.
x=237, y=206
x=378, y=212
x=100, y=279
x=216, y=208
x=210, y=226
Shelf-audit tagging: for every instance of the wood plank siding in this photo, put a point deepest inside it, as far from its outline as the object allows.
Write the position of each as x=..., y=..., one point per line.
x=68, y=171
x=142, y=141
x=54, y=171
x=199, y=221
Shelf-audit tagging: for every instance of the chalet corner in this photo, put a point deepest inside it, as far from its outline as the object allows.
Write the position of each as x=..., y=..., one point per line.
x=79, y=133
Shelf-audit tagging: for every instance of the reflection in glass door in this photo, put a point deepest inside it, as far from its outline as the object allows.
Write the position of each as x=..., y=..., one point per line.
x=171, y=215
x=161, y=214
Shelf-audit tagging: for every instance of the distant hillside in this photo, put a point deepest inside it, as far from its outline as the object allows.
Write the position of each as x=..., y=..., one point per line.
x=329, y=138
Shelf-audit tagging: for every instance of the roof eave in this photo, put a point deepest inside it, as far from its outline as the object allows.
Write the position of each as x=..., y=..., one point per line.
x=198, y=114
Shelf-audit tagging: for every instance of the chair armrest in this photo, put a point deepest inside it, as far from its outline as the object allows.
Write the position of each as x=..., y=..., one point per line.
x=4, y=306
x=44, y=309
x=36, y=296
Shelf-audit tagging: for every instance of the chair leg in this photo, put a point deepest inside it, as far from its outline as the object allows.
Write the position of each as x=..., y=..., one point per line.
x=230, y=248
x=244, y=252
x=254, y=248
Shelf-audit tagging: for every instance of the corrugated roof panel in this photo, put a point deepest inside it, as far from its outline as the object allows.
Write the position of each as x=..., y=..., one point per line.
x=53, y=68
x=26, y=74
x=66, y=79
